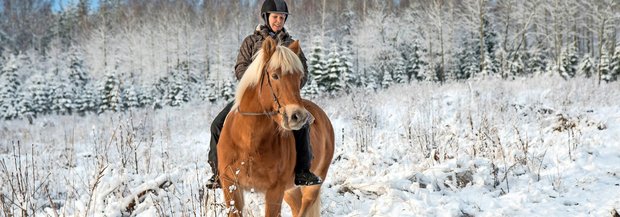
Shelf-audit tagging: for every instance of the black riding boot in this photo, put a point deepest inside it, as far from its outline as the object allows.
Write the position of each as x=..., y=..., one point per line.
x=216, y=130
x=303, y=176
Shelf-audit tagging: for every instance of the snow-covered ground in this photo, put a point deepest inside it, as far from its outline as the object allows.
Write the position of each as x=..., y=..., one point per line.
x=534, y=147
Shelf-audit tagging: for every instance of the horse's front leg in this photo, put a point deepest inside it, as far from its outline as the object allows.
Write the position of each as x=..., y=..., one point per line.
x=233, y=194
x=273, y=201
x=233, y=197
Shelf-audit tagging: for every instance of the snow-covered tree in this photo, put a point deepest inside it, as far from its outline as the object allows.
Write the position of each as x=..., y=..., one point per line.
x=604, y=67
x=209, y=88
x=131, y=97
x=317, y=65
x=147, y=97
x=516, y=65
x=586, y=67
x=467, y=60
x=568, y=63
x=615, y=64
x=311, y=89
x=399, y=74
x=536, y=64
x=38, y=94
x=110, y=93
x=386, y=79
x=387, y=62
x=89, y=100
x=175, y=88
x=350, y=79
x=227, y=92
x=177, y=93
x=9, y=87
x=62, y=99
x=490, y=64
x=370, y=79
x=77, y=75
x=414, y=68
x=332, y=79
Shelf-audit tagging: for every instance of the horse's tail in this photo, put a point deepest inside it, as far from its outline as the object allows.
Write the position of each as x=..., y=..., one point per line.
x=315, y=208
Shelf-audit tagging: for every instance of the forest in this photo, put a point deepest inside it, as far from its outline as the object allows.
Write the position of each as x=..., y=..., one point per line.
x=84, y=56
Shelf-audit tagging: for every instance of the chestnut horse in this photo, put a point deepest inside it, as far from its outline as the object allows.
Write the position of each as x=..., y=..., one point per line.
x=256, y=149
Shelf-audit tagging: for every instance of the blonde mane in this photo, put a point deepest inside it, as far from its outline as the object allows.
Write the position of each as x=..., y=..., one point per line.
x=283, y=58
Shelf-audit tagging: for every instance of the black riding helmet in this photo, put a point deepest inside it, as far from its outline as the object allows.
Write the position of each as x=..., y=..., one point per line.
x=273, y=6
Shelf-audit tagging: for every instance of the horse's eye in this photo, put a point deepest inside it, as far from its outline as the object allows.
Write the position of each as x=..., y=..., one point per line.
x=275, y=76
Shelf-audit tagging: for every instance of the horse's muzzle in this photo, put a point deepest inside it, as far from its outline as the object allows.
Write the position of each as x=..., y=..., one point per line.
x=294, y=117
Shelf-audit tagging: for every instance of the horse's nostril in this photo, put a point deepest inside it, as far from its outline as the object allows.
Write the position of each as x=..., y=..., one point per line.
x=295, y=117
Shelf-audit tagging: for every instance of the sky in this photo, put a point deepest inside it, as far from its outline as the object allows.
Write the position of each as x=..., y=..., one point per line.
x=477, y=148
x=59, y=4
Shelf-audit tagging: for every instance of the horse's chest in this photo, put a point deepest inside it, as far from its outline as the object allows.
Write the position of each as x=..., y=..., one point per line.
x=260, y=168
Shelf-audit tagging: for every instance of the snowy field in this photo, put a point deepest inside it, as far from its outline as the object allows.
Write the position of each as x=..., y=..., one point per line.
x=535, y=147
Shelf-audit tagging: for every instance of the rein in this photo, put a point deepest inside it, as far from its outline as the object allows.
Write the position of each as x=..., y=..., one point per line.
x=275, y=99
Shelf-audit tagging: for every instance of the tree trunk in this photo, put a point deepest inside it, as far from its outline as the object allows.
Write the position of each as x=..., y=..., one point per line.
x=481, y=33
x=601, y=36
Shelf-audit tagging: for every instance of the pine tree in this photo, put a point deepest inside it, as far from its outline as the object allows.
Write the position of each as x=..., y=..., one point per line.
x=110, y=94
x=177, y=93
x=228, y=90
x=586, y=67
x=25, y=107
x=468, y=59
x=490, y=64
x=615, y=64
x=332, y=80
x=38, y=92
x=77, y=74
x=9, y=86
x=489, y=67
x=516, y=66
x=131, y=96
x=176, y=89
x=311, y=89
x=536, y=64
x=386, y=64
x=146, y=97
x=62, y=99
x=350, y=79
x=604, y=67
x=317, y=66
x=211, y=94
x=415, y=67
x=88, y=101
x=370, y=79
x=386, y=79
x=568, y=63
x=399, y=71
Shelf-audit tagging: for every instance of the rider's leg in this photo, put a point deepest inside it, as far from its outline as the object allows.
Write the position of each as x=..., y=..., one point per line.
x=303, y=176
x=216, y=130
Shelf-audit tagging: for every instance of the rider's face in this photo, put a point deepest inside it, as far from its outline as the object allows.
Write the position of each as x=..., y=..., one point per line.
x=276, y=21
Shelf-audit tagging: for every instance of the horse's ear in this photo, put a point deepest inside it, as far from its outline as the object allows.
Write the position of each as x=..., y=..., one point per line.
x=269, y=47
x=295, y=47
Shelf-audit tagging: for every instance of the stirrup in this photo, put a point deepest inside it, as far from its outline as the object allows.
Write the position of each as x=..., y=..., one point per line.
x=213, y=183
x=307, y=178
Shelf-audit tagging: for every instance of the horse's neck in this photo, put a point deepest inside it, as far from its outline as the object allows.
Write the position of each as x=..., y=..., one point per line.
x=250, y=103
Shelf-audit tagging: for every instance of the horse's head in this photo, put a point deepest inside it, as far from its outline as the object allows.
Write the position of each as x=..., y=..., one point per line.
x=276, y=72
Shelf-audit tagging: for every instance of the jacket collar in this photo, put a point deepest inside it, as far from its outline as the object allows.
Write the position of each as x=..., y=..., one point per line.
x=265, y=32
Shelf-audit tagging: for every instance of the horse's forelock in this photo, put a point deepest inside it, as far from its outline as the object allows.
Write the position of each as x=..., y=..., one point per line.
x=286, y=60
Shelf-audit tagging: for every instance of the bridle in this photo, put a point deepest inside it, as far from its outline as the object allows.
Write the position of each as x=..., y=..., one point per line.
x=273, y=94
